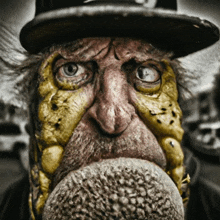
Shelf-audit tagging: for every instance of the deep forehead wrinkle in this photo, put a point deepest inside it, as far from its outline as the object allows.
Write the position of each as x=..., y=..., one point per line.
x=139, y=50
x=87, y=49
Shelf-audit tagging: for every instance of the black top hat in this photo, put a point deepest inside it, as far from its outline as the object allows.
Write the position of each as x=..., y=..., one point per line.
x=157, y=21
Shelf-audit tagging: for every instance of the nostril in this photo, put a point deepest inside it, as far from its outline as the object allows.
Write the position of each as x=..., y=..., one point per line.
x=114, y=120
x=111, y=119
x=102, y=131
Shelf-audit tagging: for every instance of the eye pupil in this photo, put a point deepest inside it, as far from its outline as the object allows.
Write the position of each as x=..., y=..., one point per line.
x=141, y=73
x=147, y=74
x=70, y=69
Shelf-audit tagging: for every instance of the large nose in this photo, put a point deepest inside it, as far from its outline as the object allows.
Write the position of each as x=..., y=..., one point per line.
x=111, y=109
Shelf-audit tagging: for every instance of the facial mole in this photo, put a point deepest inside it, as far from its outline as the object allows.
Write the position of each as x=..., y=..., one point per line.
x=171, y=122
x=153, y=114
x=158, y=121
x=174, y=114
x=57, y=125
x=171, y=144
x=54, y=107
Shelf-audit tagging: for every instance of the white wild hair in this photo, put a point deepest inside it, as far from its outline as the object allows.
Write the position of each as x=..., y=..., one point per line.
x=18, y=70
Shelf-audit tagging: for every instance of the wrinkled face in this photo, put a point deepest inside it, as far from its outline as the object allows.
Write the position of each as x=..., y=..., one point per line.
x=106, y=133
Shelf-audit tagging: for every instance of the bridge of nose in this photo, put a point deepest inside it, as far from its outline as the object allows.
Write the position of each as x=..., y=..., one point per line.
x=111, y=109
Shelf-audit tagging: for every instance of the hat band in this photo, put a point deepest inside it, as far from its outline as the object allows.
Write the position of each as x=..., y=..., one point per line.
x=49, y=5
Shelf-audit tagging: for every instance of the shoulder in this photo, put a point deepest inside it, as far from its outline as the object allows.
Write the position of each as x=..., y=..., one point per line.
x=14, y=204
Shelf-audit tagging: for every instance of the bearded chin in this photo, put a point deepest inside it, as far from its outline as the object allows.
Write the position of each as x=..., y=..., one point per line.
x=101, y=184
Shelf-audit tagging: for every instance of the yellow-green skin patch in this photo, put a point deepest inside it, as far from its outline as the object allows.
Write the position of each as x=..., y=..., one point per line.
x=59, y=113
x=51, y=158
x=161, y=113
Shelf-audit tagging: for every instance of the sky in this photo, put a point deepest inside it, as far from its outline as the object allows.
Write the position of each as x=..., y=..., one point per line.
x=204, y=63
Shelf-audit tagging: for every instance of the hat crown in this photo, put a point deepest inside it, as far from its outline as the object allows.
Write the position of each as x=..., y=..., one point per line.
x=154, y=21
x=49, y=5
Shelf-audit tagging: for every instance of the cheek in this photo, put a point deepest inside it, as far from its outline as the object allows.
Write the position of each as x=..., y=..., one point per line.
x=161, y=113
x=59, y=115
x=59, y=112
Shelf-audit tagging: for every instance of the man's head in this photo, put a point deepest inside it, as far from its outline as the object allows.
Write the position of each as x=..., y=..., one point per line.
x=104, y=114
x=97, y=100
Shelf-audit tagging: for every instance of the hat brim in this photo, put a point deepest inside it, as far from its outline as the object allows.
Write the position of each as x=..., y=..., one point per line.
x=168, y=30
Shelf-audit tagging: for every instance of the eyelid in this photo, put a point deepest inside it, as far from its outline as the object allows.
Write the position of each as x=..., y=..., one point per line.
x=79, y=70
x=84, y=74
x=156, y=75
x=157, y=65
x=154, y=65
x=61, y=62
x=134, y=64
x=144, y=86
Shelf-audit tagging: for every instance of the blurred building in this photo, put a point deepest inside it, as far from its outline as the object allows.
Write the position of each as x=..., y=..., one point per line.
x=202, y=123
x=14, y=138
x=14, y=141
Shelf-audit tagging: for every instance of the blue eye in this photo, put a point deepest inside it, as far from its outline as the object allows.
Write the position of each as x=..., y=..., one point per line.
x=69, y=69
x=73, y=74
x=147, y=74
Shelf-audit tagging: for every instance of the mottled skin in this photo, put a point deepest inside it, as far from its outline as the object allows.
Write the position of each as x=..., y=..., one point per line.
x=104, y=110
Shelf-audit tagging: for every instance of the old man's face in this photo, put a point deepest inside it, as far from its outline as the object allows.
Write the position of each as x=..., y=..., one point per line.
x=101, y=102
